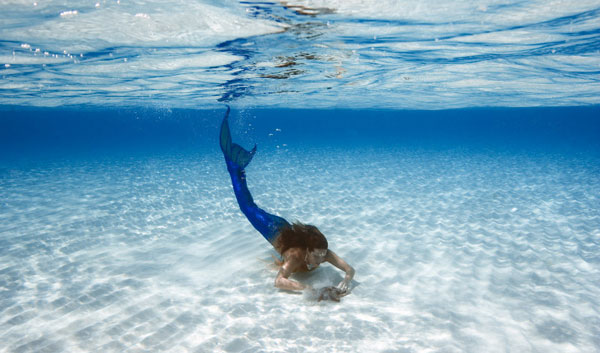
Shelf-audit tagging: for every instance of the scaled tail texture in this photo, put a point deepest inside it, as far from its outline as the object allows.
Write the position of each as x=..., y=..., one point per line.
x=232, y=151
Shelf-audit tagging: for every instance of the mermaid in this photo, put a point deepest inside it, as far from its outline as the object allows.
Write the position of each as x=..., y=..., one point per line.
x=302, y=247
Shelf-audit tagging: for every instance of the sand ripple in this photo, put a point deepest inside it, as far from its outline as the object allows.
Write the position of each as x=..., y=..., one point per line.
x=454, y=252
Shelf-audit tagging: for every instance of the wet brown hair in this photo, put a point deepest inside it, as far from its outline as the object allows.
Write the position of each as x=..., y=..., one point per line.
x=304, y=236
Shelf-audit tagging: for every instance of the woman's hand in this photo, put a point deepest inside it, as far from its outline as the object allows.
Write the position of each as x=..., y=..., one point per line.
x=343, y=286
x=337, y=261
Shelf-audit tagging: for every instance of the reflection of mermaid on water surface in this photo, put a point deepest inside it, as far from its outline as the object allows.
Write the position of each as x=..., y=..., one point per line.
x=301, y=246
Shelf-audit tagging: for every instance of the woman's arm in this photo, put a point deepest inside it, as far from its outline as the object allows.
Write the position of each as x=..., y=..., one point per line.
x=282, y=280
x=338, y=262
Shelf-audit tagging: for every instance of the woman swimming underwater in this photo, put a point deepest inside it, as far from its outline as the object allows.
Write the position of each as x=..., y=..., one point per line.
x=301, y=246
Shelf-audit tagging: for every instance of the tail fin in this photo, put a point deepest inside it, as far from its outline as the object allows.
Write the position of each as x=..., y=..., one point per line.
x=233, y=151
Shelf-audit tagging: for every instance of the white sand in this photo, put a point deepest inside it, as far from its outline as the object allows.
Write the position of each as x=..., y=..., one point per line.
x=454, y=251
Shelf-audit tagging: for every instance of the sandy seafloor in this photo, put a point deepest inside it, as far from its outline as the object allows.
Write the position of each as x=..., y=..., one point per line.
x=457, y=247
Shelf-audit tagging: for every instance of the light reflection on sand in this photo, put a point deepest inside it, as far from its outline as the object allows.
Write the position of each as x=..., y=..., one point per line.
x=453, y=252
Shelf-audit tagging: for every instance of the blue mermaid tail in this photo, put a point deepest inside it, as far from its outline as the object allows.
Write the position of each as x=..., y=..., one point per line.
x=237, y=159
x=232, y=151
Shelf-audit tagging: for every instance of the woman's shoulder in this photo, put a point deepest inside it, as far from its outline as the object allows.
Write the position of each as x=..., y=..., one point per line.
x=294, y=257
x=294, y=253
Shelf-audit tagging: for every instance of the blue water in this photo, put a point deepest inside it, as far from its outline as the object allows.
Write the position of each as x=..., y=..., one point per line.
x=469, y=230
x=449, y=151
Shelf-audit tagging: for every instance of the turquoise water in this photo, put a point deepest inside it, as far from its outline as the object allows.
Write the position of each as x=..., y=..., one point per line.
x=449, y=151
